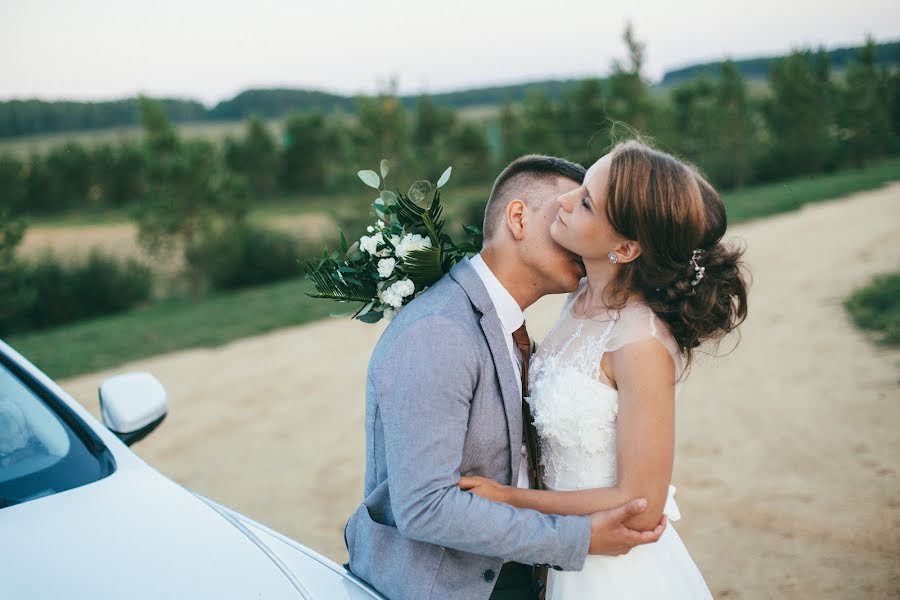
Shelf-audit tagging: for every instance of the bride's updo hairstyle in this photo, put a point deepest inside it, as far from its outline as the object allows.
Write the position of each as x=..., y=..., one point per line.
x=671, y=211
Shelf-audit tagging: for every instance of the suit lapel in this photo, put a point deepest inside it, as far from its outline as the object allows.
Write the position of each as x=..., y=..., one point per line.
x=468, y=279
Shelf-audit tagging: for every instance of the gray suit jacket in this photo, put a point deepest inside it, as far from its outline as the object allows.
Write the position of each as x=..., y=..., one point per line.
x=442, y=401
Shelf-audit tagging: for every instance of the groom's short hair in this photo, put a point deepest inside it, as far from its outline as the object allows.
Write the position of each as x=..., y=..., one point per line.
x=521, y=179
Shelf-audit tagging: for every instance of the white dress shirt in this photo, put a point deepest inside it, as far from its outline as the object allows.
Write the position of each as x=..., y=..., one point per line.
x=511, y=318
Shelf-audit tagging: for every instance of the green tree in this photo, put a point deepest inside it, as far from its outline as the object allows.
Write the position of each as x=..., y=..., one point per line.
x=70, y=169
x=255, y=157
x=540, y=125
x=471, y=154
x=190, y=195
x=312, y=149
x=585, y=123
x=866, y=121
x=629, y=97
x=38, y=187
x=433, y=128
x=383, y=131
x=800, y=135
x=694, y=112
x=12, y=185
x=511, y=145
x=734, y=127
x=893, y=85
x=119, y=173
x=15, y=293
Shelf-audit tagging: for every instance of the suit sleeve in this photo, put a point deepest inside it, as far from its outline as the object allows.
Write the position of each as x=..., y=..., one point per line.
x=425, y=401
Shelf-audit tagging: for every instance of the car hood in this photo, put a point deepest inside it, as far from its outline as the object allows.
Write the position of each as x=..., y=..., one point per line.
x=138, y=535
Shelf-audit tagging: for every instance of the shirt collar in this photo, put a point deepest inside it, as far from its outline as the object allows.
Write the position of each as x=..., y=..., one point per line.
x=508, y=310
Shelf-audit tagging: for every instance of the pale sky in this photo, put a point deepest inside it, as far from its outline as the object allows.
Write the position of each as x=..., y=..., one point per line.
x=211, y=49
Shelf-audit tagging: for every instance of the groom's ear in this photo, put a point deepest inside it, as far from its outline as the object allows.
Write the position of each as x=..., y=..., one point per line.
x=515, y=218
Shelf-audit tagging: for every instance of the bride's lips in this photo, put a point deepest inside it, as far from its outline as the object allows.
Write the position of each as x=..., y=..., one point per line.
x=559, y=218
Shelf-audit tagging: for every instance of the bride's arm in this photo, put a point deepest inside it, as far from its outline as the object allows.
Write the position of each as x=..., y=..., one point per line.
x=645, y=440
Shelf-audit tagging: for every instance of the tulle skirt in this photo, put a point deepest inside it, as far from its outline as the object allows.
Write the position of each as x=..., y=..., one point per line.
x=660, y=571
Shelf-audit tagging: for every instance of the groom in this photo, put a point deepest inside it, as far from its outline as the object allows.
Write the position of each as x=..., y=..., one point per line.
x=444, y=399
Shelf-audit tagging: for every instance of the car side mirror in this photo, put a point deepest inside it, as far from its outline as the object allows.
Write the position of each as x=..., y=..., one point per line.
x=133, y=405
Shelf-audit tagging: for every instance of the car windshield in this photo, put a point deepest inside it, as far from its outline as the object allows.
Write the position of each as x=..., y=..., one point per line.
x=40, y=453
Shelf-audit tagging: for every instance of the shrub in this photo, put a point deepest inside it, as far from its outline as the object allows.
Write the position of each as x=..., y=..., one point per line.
x=877, y=307
x=52, y=291
x=243, y=255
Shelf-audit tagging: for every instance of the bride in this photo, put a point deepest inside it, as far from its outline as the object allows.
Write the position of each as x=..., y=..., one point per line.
x=604, y=382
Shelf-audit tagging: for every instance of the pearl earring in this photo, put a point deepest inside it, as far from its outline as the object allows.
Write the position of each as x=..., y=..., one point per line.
x=613, y=258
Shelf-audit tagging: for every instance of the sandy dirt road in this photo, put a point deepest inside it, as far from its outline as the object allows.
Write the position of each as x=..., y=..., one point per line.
x=788, y=448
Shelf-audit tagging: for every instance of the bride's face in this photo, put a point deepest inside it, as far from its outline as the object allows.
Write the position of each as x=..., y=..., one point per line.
x=581, y=224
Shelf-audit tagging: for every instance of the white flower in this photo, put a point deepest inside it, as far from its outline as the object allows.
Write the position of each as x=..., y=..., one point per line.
x=394, y=295
x=386, y=267
x=391, y=298
x=370, y=243
x=410, y=243
x=404, y=288
x=389, y=314
x=380, y=224
x=370, y=229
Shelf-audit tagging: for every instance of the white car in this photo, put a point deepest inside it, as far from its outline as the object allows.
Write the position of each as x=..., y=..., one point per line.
x=82, y=516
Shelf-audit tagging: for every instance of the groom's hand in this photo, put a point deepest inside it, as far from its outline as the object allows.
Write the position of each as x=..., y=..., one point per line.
x=611, y=537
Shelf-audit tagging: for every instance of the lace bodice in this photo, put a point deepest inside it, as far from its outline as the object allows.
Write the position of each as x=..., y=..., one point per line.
x=573, y=402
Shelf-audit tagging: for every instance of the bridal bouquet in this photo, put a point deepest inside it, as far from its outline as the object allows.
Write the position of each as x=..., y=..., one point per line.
x=405, y=251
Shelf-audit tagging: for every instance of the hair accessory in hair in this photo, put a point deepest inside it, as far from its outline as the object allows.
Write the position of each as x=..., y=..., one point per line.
x=700, y=271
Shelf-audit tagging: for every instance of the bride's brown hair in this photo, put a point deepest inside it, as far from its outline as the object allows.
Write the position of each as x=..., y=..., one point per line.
x=671, y=211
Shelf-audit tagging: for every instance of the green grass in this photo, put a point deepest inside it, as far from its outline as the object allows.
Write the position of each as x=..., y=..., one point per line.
x=785, y=196
x=876, y=308
x=168, y=326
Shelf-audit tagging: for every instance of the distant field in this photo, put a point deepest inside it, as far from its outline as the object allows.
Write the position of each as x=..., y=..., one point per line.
x=23, y=146
x=214, y=131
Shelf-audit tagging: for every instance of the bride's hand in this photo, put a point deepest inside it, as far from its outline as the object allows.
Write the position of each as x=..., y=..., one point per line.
x=486, y=488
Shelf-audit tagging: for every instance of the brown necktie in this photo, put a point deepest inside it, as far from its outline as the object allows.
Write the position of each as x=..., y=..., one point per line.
x=535, y=478
x=523, y=341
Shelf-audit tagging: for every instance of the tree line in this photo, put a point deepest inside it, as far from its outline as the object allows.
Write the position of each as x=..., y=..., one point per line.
x=809, y=122
x=26, y=117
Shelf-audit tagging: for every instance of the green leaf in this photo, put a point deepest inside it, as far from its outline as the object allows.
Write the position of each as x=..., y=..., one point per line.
x=329, y=285
x=384, y=168
x=365, y=309
x=418, y=191
x=371, y=317
x=423, y=267
x=444, y=178
x=370, y=178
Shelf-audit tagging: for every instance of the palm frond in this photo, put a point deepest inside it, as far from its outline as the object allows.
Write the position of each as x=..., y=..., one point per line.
x=424, y=266
x=329, y=284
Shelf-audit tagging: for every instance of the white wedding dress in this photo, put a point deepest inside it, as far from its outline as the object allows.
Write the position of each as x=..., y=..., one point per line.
x=575, y=409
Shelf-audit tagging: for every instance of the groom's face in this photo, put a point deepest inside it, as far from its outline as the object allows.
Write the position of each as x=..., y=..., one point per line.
x=558, y=270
